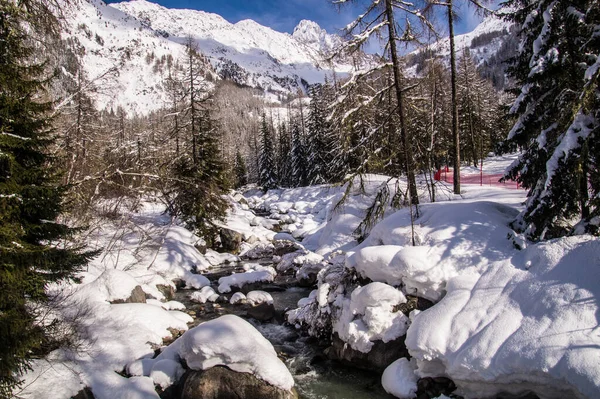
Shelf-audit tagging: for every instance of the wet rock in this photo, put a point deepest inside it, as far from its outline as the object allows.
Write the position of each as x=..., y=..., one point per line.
x=167, y=290
x=137, y=296
x=262, y=312
x=381, y=355
x=85, y=393
x=308, y=280
x=222, y=383
x=230, y=240
x=429, y=387
x=283, y=247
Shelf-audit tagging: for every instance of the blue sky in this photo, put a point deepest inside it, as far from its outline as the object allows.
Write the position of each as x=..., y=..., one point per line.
x=284, y=15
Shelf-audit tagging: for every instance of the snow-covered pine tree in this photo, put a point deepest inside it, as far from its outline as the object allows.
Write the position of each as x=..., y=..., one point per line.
x=557, y=111
x=266, y=161
x=319, y=138
x=32, y=244
x=298, y=155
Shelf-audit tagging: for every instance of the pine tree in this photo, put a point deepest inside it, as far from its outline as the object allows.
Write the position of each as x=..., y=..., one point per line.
x=266, y=161
x=32, y=253
x=299, y=158
x=240, y=171
x=557, y=111
x=284, y=164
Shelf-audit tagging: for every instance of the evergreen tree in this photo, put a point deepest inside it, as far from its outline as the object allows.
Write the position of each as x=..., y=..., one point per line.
x=31, y=250
x=266, y=161
x=557, y=111
x=299, y=159
x=196, y=193
x=241, y=173
x=320, y=140
x=284, y=165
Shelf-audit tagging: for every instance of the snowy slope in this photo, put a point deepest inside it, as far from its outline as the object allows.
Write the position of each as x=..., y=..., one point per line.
x=122, y=48
x=483, y=42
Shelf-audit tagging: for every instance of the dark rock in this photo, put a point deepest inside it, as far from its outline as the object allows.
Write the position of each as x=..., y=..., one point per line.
x=429, y=387
x=222, y=383
x=137, y=296
x=307, y=280
x=283, y=247
x=85, y=393
x=262, y=312
x=201, y=247
x=230, y=241
x=381, y=355
x=258, y=285
x=167, y=290
x=179, y=283
x=412, y=303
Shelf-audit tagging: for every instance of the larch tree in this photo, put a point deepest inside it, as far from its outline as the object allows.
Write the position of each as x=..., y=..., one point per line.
x=380, y=20
x=33, y=250
x=199, y=181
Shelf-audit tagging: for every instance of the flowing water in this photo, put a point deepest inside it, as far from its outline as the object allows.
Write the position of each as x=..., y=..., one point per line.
x=316, y=376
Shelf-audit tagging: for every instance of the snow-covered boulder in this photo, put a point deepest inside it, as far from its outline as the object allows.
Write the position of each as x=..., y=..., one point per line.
x=399, y=379
x=220, y=382
x=528, y=323
x=369, y=315
x=239, y=280
x=233, y=342
x=205, y=294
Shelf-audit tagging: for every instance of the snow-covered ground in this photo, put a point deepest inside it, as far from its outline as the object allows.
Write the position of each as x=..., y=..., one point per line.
x=508, y=315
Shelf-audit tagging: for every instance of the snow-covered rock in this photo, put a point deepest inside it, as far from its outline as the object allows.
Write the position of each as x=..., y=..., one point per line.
x=528, y=322
x=233, y=342
x=400, y=380
x=239, y=280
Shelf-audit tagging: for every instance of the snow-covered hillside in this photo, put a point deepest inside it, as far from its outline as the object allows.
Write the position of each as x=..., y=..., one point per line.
x=122, y=48
x=489, y=44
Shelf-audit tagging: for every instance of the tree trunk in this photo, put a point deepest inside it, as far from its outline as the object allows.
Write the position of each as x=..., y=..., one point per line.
x=455, y=133
x=404, y=134
x=410, y=173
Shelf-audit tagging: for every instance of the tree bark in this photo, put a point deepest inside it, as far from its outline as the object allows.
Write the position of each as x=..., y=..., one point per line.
x=455, y=133
x=404, y=134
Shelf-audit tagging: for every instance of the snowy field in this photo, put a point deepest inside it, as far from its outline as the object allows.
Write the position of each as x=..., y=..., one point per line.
x=509, y=316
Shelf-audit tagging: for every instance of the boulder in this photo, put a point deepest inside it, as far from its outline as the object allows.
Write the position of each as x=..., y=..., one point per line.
x=261, y=312
x=223, y=383
x=429, y=387
x=85, y=393
x=137, y=296
x=167, y=290
x=381, y=355
x=230, y=240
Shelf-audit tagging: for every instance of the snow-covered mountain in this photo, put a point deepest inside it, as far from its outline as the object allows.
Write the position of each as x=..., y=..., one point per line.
x=123, y=49
x=489, y=44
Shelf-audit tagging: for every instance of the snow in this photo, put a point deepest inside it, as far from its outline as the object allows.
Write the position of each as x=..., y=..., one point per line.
x=233, y=342
x=236, y=298
x=369, y=316
x=205, y=294
x=166, y=372
x=257, y=297
x=399, y=379
x=529, y=320
x=258, y=274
